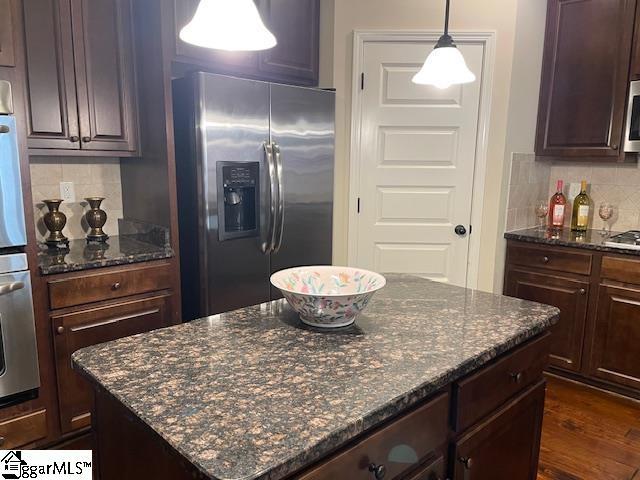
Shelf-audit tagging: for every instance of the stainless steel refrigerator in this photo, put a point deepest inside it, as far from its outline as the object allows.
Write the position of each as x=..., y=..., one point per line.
x=255, y=186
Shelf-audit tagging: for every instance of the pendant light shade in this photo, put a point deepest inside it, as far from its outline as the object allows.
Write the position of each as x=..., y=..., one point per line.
x=233, y=25
x=445, y=65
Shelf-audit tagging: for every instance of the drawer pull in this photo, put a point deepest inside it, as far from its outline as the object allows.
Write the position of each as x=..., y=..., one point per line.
x=517, y=377
x=2, y=440
x=115, y=320
x=545, y=260
x=60, y=330
x=583, y=291
x=379, y=471
x=116, y=286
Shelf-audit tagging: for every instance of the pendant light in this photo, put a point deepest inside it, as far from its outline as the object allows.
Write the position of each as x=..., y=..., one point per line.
x=445, y=65
x=233, y=25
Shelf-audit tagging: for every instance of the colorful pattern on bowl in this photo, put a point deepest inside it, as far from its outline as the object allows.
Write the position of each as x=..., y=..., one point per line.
x=328, y=297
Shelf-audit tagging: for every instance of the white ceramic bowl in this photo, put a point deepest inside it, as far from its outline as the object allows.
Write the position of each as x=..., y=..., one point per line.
x=325, y=296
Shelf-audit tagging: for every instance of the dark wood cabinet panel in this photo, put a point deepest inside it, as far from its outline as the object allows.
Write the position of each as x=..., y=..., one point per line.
x=635, y=53
x=505, y=446
x=72, y=331
x=7, y=50
x=52, y=119
x=570, y=296
x=296, y=25
x=103, y=51
x=585, y=78
x=615, y=348
x=80, y=76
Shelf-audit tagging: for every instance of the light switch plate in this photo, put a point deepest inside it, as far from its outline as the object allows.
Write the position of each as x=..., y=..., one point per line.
x=67, y=192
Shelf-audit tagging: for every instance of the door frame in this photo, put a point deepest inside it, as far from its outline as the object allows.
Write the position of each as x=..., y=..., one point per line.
x=484, y=38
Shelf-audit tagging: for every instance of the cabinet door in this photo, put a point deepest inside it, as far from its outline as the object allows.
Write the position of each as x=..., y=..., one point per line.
x=73, y=331
x=570, y=296
x=103, y=52
x=615, y=349
x=7, y=58
x=215, y=60
x=585, y=78
x=507, y=445
x=52, y=118
x=296, y=25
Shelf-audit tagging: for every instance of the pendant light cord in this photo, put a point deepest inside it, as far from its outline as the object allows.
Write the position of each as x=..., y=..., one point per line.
x=446, y=19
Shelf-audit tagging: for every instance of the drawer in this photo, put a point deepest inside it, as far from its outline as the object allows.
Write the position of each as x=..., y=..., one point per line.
x=625, y=270
x=547, y=258
x=398, y=447
x=79, y=290
x=21, y=431
x=432, y=470
x=485, y=391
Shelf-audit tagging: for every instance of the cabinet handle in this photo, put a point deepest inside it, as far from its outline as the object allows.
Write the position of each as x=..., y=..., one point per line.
x=116, y=286
x=614, y=146
x=74, y=139
x=86, y=139
x=379, y=471
x=466, y=461
x=545, y=259
x=60, y=330
x=2, y=440
x=583, y=291
x=517, y=377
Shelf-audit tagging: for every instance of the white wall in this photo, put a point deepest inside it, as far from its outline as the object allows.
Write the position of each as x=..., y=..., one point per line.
x=500, y=16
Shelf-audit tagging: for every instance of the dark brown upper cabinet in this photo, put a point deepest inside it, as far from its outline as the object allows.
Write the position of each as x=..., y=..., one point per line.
x=585, y=78
x=80, y=77
x=296, y=25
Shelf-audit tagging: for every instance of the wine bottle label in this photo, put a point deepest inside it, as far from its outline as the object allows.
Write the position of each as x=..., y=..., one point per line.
x=583, y=215
x=558, y=215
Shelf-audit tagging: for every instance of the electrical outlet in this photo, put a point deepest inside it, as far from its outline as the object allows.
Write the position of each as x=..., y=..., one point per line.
x=67, y=192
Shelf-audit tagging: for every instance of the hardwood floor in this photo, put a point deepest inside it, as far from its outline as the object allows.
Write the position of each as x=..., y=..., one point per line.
x=588, y=434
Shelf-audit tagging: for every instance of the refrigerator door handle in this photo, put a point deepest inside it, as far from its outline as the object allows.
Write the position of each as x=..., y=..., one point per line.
x=279, y=225
x=268, y=241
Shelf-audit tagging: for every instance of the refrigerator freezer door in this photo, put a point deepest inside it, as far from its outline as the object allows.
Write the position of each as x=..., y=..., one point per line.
x=302, y=130
x=233, y=126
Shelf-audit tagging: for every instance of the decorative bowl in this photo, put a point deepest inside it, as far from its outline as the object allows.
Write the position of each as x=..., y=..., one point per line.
x=325, y=296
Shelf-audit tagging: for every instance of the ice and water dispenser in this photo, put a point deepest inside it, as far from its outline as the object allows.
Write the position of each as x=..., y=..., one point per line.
x=238, y=199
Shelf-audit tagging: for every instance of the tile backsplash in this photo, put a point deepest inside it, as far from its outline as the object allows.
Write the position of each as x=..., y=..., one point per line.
x=92, y=177
x=617, y=184
x=528, y=183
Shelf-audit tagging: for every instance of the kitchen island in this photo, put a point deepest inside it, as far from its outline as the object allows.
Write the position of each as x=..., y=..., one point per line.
x=431, y=379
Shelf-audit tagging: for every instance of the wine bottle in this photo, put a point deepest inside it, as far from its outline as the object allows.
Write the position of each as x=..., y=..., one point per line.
x=581, y=207
x=557, y=207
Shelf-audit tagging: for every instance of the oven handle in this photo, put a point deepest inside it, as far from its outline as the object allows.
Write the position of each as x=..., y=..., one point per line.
x=6, y=288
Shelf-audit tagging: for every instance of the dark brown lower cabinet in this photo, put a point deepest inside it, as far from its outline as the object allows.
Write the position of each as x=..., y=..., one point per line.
x=615, y=346
x=78, y=329
x=570, y=296
x=506, y=445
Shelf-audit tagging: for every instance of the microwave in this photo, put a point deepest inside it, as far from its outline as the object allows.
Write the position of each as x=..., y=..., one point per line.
x=632, y=130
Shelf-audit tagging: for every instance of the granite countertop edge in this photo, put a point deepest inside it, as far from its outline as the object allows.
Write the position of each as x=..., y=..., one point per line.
x=526, y=237
x=341, y=437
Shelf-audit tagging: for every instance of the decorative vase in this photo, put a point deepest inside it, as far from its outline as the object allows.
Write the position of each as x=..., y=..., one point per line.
x=96, y=218
x=55, y=221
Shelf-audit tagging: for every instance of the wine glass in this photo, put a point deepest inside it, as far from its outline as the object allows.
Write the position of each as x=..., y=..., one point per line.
x=542, y=210
x=605, y=211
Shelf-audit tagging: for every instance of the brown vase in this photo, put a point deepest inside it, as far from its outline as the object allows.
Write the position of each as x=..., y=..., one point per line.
x=96, y=218
x=55, y=221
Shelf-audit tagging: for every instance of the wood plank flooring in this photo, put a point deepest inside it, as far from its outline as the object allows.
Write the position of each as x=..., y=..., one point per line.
x=588, y=434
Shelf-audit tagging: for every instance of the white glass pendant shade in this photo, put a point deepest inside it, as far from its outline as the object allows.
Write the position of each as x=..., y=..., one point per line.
x=233, y=25
x=445, y=66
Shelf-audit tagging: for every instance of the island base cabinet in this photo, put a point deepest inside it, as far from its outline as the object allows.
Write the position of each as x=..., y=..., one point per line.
x=506, y=445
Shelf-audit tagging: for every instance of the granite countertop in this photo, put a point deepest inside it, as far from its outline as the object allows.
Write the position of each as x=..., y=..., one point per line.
x=253, y=394
x=590, y=240
x=137, y=242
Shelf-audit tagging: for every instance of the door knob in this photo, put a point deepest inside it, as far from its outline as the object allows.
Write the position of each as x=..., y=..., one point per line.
x=460, y=230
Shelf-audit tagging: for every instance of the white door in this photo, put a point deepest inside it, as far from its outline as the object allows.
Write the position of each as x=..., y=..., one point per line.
x=416, y=156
